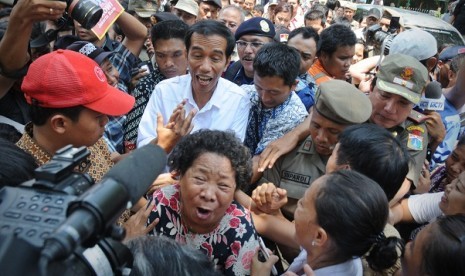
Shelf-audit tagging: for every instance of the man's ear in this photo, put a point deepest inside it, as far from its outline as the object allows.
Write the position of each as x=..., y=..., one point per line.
x=228, y=60
x=321, y=237
x=59, y=123
x=451, y=75
x=294, y=85
x=431, y=62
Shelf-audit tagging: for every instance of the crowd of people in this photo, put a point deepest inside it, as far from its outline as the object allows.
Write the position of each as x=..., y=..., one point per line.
x=282, y=122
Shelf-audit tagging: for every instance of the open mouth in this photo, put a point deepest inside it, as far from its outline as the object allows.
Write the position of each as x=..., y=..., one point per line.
x=203, y=213
x=204, y=80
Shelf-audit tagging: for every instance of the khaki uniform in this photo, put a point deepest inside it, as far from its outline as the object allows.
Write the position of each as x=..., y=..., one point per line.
x=294, y=172
x=415, y=137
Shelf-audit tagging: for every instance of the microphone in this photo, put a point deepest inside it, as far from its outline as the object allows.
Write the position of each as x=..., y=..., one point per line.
x=433, y=100
x=92, y=214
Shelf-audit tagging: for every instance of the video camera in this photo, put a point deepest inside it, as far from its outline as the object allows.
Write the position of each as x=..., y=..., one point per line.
x=62, y=224
x=381, y=40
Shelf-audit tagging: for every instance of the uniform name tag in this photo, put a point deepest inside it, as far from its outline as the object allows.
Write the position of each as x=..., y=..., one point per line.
x=295, y=184
x=300, y=178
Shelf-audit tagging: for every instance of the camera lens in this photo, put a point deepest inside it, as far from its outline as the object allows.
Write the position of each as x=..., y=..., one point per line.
x=86, y=12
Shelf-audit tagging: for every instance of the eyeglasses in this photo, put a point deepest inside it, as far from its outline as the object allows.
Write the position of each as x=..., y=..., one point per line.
x=253, y=45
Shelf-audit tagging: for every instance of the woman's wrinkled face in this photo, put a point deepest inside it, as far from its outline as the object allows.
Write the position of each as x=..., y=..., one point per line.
x=207, y=191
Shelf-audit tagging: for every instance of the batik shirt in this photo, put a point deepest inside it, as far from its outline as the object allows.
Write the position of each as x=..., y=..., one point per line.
x=99, y=159
x=268, y=124
x=230, y=246
x=141, y=93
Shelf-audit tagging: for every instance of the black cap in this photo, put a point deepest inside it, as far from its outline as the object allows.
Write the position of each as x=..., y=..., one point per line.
x=214, y=2
x=90, y=50
x=256, y=26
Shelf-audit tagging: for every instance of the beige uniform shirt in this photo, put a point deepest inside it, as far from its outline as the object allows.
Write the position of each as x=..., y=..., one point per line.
x=294, y=172
x=415, y=137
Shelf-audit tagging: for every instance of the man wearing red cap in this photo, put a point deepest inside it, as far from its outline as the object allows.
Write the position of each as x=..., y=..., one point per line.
x=70, y=101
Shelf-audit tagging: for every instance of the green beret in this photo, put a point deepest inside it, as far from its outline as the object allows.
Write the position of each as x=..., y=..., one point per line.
x=342, y=103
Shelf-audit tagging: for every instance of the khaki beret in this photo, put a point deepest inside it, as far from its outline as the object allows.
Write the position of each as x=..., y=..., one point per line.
x=402, y=75
x=342, y=103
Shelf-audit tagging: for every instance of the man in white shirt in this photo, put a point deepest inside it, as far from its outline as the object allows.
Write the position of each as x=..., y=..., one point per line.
x=218, y=103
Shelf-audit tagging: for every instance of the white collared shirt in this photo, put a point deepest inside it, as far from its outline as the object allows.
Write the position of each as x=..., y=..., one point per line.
x=228, y=108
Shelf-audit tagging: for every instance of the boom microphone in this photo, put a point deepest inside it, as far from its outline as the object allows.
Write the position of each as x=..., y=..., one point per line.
x=95, y=211
x=433, y=99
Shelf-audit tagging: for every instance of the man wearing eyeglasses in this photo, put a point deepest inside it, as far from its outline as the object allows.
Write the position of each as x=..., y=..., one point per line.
x=250, y=37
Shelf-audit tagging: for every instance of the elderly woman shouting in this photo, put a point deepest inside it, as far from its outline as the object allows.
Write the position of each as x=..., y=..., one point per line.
x=200, y=210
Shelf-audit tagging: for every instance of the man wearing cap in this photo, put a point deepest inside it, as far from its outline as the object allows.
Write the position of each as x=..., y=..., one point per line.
x=250, y=37
x=269, y=9
x=349, y=11
x=276, y=109
x=70, y=109
x=371, y=19
x=447, y=74
x=218, y=103
x=398, y=86
x=335, y=52
x=143, y=10
x=113, y=134
x=454, y=59
x=419, y=44
x=187, y=10
x=338, y=105
x=208, y=9
x=395, y=90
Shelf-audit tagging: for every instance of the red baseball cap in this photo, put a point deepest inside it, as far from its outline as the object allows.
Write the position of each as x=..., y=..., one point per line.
x=65, y=78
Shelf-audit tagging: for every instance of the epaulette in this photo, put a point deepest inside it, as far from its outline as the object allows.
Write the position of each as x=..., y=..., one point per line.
x=416, y=117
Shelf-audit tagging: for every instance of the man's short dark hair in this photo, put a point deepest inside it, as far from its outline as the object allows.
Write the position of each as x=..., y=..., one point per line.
x=40, y=115
x=316, y=15
x=170, y=29
x=259, y=8
x=335, y=36
x=277, y=59
x=306, y=32
x=210, y=28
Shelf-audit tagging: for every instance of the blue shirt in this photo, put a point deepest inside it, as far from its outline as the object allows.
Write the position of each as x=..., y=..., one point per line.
x=451, y=119
x=306, y=89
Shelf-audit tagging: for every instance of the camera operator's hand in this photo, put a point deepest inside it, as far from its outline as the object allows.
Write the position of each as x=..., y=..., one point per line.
x=135, y=225
x=14, y=45
x=32, y=11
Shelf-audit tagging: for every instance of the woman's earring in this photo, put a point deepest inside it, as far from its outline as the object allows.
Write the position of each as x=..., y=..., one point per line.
x=313, y=243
